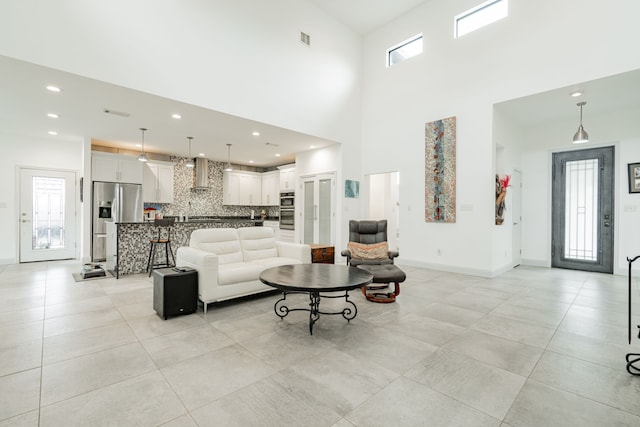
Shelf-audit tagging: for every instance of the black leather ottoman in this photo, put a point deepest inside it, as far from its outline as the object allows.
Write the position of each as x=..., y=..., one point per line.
x=383, y=275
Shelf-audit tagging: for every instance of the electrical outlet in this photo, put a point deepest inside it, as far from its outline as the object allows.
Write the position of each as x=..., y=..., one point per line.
x=439, y=252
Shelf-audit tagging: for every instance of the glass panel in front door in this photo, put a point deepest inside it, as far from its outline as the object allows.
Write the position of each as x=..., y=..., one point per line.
x=309, y=212
x=581, y=210
x=324, y=212
x=48, y=217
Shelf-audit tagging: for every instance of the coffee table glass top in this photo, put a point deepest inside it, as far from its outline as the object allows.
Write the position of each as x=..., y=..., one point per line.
x=315, y=277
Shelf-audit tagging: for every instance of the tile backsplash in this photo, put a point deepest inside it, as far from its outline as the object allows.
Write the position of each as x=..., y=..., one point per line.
x=204, y=202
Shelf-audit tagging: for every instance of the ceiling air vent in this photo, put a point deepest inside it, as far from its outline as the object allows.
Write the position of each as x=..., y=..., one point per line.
x=305, y=38
x=116, y=113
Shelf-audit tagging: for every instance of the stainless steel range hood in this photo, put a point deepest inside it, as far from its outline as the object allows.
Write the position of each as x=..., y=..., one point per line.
x=201, y=176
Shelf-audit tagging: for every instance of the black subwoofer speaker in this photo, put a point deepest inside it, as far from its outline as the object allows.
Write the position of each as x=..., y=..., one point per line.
x=175, y=291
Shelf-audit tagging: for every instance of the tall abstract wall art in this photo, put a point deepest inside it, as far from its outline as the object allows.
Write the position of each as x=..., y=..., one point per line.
x=440, y=171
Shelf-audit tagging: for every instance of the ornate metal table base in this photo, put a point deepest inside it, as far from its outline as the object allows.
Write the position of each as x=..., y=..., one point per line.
x=633, y=363
x=633, y=359
x=282, y=310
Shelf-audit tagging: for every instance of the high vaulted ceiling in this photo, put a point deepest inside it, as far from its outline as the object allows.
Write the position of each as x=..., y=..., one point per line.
x=24, y=105
x=365, y=16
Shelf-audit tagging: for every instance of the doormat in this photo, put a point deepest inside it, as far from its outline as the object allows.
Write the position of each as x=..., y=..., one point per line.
x=78, y=277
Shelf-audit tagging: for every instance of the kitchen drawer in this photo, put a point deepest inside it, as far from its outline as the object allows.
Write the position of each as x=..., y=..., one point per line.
x=322, y=254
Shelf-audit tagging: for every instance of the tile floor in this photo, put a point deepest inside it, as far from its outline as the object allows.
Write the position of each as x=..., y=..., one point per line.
x=532, y=347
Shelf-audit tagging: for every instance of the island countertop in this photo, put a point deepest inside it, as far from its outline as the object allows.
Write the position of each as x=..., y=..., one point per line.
x=131, y=240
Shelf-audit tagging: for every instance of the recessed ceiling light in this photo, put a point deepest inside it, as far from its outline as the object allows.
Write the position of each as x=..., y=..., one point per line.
x=53, y=132
x=277, y=154
x=53, y=115
x=176, y=116
x=138, y=145
x=312, y=146
x=576, y=93
x=201, y=154
x=250, y=161
x=53, y=88
x=256, y=133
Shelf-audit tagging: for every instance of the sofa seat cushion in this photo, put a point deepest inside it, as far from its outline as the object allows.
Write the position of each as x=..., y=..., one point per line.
x=276, y=262
x=238, y=272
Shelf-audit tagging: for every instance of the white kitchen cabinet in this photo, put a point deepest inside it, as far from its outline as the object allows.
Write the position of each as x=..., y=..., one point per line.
x=251, y=194
x=242, y=188
x=116, y=168
x=287, y=179
x=157, y=184
x=230, y=188
x=271, y=188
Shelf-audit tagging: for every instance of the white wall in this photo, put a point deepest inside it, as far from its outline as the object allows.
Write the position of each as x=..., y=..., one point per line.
x=381, y=194
x=541, y=45
x=23, y=151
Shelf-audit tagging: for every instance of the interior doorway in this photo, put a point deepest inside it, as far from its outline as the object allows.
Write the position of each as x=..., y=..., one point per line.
x=318, y=210
x=384, y=203
x=47, y=215
x=583, y=196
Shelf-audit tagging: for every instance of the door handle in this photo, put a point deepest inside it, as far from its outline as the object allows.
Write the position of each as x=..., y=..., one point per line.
x=607, y=223
x=25, y=220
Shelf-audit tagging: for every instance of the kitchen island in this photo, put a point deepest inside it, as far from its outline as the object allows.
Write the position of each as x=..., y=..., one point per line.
x=128, y=242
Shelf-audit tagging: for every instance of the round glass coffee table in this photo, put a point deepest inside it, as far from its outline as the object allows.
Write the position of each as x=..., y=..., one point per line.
x=317, y=280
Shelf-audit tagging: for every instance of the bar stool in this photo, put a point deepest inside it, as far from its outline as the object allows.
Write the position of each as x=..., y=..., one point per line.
x=154, y=243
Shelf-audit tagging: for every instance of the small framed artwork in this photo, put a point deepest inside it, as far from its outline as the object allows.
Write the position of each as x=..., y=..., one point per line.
x=351, y=189
x=634, y=177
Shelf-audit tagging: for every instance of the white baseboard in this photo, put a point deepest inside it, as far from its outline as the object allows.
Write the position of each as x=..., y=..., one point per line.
x=535, y=262
x=7, y=261
x=444, y=267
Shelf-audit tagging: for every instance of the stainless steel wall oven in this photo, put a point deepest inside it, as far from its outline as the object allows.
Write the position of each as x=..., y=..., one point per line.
x=287, y=210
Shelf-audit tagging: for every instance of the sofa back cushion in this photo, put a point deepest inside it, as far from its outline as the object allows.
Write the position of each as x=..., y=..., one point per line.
x=223, y=242
x=257, y=243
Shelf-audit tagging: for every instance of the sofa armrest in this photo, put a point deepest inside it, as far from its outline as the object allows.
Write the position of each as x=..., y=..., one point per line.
x=294, y=250
x=206, y=263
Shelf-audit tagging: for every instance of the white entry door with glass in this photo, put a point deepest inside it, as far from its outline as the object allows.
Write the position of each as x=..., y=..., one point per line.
x=47, y=215
x=318, y=209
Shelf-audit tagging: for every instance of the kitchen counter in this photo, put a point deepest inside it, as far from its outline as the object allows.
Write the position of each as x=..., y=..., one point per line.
x=132, y=240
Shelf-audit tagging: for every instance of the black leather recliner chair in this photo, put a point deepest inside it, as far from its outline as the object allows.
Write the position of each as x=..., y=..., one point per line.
x=368, y=232
x=381, y=266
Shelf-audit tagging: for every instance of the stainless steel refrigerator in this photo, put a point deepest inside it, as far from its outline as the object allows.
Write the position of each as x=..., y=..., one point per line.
x=112, y=202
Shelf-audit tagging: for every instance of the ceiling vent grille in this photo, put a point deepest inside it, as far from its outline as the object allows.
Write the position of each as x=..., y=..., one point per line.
x=305, y=38
x=116, y=113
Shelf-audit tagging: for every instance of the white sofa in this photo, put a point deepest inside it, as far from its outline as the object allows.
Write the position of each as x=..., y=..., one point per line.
x=229, y=260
